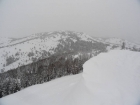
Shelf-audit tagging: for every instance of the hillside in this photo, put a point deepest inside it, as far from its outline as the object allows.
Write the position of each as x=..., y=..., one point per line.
x=108, y=79
x=42, y=57
x=16, y=52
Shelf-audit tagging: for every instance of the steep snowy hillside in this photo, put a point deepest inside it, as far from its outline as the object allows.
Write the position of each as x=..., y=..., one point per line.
x=108, y=79
x=18, y=52
x=42, y=57
x=15, y=53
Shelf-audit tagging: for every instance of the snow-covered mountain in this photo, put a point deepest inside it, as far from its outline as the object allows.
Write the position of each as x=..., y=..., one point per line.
x=19, y=52
x=22, y=51
x=45, y=56
x=111, y=78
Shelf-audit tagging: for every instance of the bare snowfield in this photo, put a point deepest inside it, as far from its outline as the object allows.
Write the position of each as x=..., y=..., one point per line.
x=111, y=78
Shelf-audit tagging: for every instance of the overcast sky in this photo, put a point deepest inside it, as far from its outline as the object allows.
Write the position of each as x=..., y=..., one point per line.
x=99, y=18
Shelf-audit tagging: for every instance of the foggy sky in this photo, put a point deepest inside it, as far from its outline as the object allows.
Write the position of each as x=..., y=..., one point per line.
x=99, y=18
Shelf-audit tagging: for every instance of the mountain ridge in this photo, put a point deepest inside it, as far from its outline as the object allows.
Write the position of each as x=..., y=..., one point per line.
x=16, y=48
x=43, y=57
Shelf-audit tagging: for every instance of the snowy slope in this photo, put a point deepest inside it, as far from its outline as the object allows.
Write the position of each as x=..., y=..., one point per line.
x=16, y=52
x=114, y=77
x=108, y=79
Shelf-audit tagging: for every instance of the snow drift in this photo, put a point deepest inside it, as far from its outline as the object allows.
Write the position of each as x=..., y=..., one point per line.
x=108, y=79
x=114, y=78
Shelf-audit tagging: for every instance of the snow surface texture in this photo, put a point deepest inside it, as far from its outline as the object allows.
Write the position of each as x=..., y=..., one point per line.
x=108, y=79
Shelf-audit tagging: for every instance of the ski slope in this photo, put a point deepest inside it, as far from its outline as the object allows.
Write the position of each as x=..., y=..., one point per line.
x=111, y=78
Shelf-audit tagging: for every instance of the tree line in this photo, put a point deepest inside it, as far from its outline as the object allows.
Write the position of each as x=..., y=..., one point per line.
x=40, y=72
x=59, y=64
